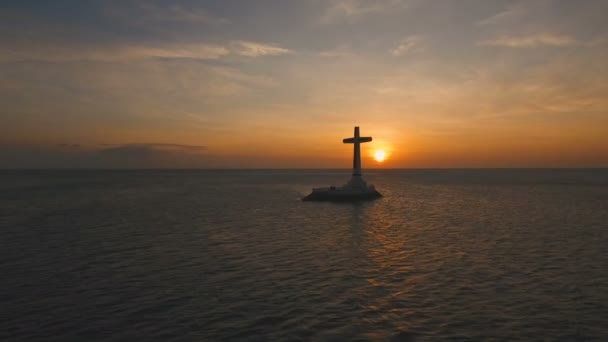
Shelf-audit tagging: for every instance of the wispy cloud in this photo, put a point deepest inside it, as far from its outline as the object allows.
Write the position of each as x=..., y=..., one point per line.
x=195, y=51
x=340, y=51
x=503, y=17
x=156, y=146
x=147, y=13
x=253, y=49
x=67, y=145
x=136, y=155
x=596, y=41
x=535, y=40
x=205, y=51
x=144, y=155
x=241, y=77
x=407, y=45
x=175, y=12
x=67, y=53
x=354, y=9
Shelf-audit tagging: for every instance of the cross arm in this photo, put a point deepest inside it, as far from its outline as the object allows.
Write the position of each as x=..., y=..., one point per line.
x=357, y=140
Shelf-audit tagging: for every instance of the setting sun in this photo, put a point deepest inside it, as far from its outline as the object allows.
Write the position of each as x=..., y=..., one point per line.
x=379, y=155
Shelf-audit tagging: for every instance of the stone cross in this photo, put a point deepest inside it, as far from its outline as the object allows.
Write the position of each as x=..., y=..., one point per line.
x=357, y=140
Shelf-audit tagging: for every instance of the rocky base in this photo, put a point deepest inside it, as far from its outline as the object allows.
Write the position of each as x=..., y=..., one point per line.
x=343, y=194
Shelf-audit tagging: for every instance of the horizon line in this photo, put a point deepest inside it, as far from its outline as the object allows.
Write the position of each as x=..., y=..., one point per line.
x=305, y=169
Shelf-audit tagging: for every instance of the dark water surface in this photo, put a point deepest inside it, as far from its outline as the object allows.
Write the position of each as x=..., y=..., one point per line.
x=235, y=256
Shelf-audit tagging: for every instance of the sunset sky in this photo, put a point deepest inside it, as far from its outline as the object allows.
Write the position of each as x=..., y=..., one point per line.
x=273, y=84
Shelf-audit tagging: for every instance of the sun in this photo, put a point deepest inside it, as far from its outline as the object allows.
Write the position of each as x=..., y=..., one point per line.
x=379, y=155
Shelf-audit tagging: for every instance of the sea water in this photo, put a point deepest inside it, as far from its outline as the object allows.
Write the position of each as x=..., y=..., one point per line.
x=234, y=255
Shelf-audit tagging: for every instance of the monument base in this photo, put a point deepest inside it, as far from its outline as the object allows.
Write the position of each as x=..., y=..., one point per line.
x=355, y=190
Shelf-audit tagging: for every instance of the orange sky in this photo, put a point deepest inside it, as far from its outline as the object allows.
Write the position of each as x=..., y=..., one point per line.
x=208, y=84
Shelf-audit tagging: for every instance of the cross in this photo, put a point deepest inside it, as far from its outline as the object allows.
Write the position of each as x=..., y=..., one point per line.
x=357, y=140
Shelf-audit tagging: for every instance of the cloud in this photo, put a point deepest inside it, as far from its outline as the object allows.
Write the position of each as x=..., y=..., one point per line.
x=244, y=78
x=149, y=155
x=253, y=49
x=119, y=53
x=195, y=51
x=408, y=45
x=70, y=53
x=134, y=95
x=502, y=17
x=354, y=9
x=596, y=42
x=146, y=14
x=178, y=13
x=544, y=39
x=136, y=155
x=140, y=147
x=65, y=145
x=340, y=51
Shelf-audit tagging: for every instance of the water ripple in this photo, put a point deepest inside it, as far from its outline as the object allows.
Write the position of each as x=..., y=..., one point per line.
x=209, y=255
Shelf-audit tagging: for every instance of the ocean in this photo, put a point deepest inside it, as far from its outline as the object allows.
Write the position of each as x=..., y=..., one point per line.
x=234, y=255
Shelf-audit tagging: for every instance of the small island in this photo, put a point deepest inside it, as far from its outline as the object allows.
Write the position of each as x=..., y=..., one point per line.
x=356, y=189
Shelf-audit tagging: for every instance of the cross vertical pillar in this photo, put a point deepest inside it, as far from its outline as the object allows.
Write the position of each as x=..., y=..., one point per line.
x=357, y=140
x=357, y=154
